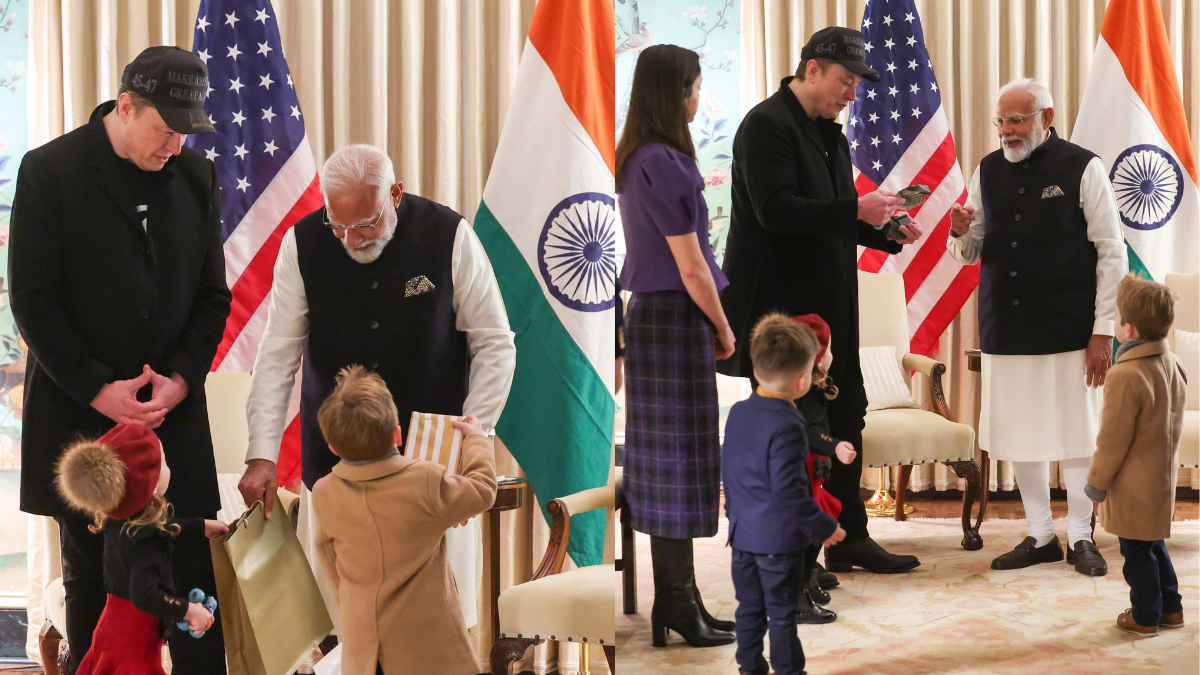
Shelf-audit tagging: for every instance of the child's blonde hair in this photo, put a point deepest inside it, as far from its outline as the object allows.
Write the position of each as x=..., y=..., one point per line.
x=1147, y=306
x=359, y=417
x=780, y=346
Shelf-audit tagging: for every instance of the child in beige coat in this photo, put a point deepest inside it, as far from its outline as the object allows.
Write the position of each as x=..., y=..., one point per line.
x=1134, y=469
x=382, y=517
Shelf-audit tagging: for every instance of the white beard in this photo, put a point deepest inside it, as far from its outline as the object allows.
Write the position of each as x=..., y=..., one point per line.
x=1028, y=145
x=371, y=252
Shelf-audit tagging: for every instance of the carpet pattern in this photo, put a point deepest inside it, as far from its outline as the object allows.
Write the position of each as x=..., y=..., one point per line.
x=953, y=614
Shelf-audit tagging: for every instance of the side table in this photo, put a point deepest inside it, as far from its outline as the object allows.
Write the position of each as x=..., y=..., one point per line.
x=510, y=495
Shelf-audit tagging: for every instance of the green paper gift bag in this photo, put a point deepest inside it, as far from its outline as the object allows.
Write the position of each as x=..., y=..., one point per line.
x=271, y=610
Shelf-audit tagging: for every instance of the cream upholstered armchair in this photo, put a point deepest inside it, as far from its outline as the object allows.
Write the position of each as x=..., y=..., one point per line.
x=226, y=395
x=571, y=606
x=1187, y=318
x=907, y=436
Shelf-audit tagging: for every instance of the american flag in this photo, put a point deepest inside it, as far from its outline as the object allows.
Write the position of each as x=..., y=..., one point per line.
x=899, y=136
x=265, y=168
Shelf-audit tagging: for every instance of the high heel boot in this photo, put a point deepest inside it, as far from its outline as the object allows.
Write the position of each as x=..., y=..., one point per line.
x=675, y=606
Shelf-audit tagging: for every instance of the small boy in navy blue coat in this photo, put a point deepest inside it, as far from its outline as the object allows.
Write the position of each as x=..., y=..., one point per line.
x=772, y=514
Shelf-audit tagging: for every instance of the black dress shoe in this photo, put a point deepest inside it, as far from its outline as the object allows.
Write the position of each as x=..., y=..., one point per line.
x=713, y=622
x=865, y=553
x=812, y=586
x=1086, y=559
x=1028, y=553
x=808, y=611
x=826, y=579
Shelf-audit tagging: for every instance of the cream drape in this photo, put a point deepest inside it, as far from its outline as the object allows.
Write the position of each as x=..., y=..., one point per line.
x=427, y=80
x=976, y=47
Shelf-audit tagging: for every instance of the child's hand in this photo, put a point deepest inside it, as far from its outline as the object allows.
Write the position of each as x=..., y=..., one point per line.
x=199, y=619
x=214, y=527
x=838, y=535
x=845, y=452
x=468, y=425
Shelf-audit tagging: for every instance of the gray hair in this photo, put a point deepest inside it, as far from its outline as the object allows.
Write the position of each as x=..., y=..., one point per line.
x=355, y=166
x=1041, y=95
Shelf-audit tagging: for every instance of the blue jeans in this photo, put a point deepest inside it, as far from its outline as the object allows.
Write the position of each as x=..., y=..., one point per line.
x=1153, y=586
x=768, y=588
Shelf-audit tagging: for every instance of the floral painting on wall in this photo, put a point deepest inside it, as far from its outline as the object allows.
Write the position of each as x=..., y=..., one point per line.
x=712, y=30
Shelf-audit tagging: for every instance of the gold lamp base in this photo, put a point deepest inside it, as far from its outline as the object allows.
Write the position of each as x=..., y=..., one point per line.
x=881, y=504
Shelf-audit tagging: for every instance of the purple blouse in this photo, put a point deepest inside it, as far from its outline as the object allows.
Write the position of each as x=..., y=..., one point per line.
x=662, y=196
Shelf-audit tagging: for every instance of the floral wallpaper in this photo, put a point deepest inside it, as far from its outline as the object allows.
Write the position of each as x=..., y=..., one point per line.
x=712, y=30
x=14, y=140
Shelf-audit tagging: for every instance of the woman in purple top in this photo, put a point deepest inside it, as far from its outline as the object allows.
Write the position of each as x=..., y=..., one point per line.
x=675, y=330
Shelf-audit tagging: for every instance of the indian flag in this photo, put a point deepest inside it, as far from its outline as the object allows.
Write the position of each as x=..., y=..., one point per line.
x=1132, y=117
x=548, y=221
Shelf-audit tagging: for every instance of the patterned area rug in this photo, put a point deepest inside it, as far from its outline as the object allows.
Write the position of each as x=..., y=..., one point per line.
x=953, y=614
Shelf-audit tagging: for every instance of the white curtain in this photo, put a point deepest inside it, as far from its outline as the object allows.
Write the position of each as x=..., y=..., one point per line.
x=976, y=47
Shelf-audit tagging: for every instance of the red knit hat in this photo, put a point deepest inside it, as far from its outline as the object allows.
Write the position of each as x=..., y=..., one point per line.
x=820, y=328
x=115, y=475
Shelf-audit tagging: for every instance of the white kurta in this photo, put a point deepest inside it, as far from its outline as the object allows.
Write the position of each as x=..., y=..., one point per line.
x=480, y=314
x=1039, y=408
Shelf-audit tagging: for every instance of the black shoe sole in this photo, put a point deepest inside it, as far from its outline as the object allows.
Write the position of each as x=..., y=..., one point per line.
x=1052, y=559
x=847, y=568
x=660, y=632
x=815, y=620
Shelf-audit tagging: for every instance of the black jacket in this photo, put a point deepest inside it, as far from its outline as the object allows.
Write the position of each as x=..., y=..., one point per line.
x=95, y=297
x=793, y=237
x=137, y=566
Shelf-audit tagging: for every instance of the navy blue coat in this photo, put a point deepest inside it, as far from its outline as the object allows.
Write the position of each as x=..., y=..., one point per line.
x=764, y=467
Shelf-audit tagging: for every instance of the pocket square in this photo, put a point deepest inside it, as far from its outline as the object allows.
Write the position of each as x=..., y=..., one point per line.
x=417, y=286
x=1052, y=191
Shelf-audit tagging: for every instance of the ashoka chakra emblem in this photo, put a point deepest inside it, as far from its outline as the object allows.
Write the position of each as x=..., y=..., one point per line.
x=1149, y=186
x=577, y=251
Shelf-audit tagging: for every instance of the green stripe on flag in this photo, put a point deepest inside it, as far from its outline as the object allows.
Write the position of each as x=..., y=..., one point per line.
x=1138, y=268
x=558, y=422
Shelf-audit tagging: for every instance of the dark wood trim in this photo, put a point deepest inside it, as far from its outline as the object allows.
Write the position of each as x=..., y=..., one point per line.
x=50, y=644
x=902, y=491
x=506, y=650
x=556, y=549
x=969, y=470
x=936, y=391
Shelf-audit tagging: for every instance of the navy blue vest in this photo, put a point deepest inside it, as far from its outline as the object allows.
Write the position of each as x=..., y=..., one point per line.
x=358, y=314
x=1037, y=281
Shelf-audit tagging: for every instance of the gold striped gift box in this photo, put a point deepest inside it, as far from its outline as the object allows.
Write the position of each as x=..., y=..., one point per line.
x=433, y=439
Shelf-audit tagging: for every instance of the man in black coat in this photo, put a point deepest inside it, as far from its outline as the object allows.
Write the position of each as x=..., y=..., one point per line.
x=795, y=228
x=118, y=287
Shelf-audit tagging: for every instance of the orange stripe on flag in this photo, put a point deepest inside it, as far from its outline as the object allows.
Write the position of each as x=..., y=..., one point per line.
x=576, y=40
x=1134, y=30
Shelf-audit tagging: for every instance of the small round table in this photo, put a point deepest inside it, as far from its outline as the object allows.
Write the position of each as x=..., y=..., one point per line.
x=510, y=495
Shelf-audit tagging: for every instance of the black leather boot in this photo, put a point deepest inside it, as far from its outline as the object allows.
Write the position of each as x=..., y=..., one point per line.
x=812, y=586
x=713, y=622
x=808, y=611
x=826, y=579
x=675, y=606
x=870, y=556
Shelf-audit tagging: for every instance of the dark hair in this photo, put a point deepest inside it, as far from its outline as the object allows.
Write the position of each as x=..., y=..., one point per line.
x=140, y=102
x=662, y=79
x=822, y=63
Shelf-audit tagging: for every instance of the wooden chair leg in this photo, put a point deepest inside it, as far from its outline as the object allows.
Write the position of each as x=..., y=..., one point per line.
x=507, y=650
x=610, y=654
x=49, y=641
x=985, y=486
x=902, y=491
x=628, y=565
x=969, y=470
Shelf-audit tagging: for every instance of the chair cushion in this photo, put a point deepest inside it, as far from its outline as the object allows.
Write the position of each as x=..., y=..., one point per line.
x=572, y=606
x=55, y=600
x=884, y=379
x=905, y=436
x=1187, y=349
x=1189, y=442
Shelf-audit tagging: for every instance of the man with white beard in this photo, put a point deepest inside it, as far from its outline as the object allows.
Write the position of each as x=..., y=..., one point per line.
x=393, y=282
x=1042, y=217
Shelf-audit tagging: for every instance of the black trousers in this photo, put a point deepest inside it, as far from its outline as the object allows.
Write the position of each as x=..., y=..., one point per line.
x=83, y=583
x=1153, y=586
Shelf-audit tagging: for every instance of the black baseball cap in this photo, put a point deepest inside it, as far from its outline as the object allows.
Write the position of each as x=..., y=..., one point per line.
x=176, y=82
x=844, y=45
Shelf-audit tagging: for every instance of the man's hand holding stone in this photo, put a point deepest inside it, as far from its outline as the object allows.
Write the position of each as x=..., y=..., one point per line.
x=260, y=482
x=876, y=208
x=1099, y=359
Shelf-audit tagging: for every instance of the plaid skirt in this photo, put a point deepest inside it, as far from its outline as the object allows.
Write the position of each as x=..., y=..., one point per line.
x=672, y=443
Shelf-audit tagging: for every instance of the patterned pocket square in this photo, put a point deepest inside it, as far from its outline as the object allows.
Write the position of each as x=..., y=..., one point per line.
x=417, y=286
x=1052, y=191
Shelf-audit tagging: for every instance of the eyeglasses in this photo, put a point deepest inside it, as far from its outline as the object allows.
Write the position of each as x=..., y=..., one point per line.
x=1015, y=120
x=363, y=226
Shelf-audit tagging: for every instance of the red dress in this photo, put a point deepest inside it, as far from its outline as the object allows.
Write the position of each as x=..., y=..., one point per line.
x=127, y=641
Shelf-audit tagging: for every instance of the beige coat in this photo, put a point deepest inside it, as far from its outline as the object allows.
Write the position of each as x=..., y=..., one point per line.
x=1137, y=451
x=380, y=541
